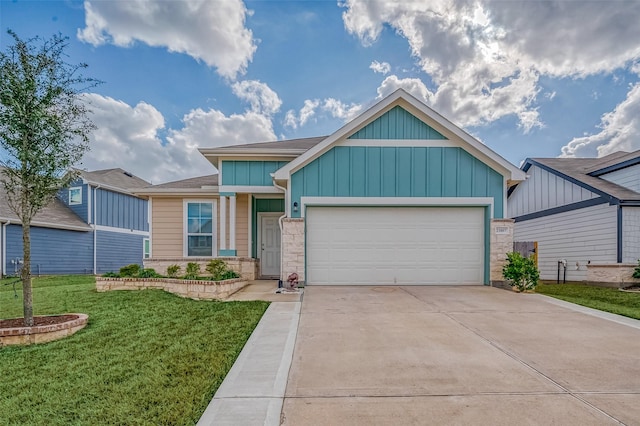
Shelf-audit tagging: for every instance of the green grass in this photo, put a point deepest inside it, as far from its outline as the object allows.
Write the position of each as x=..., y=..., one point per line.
x=145, y=357
x=605, y=299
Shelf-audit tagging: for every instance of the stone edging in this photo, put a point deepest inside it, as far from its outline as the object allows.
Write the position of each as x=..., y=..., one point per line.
x=42, y=333
x=194, y=289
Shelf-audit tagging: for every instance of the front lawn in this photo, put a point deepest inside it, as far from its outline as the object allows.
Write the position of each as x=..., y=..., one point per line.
x=145, y=357
x=605, y=299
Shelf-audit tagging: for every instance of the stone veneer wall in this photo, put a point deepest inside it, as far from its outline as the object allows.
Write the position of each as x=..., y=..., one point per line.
x=612, y=274
x=194, y=289
x=500, y=244
x=246, y=267
x=293, y=248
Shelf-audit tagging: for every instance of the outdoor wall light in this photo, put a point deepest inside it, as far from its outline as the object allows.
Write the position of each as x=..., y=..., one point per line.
x=295, y=206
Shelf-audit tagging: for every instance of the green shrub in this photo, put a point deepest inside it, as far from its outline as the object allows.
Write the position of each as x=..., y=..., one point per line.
x=149, y=273
x=216, y=268
x=521, y=273
x=192, y=271
x=130, y=270
x=636, y=272
x=111, y=274
x=228, y=275
x=173, y=271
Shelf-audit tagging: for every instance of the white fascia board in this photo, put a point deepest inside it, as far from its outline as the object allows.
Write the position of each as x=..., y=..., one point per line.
x=396, y=98
x=176, y=191
x=249, y=189
x=397, y=202
x=121, y=230
x=41, y=224
x=99, y=185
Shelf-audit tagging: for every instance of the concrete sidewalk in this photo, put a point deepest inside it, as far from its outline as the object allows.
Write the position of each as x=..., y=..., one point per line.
x=253, y=391
x=458, y=355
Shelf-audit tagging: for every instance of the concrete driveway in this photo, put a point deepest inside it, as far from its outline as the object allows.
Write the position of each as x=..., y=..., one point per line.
x=458, y=355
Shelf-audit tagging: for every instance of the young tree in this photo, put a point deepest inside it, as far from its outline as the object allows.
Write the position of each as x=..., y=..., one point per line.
x=44, y=131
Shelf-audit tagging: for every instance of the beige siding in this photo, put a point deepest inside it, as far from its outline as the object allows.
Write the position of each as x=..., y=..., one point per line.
x=242, y=225
x=167, y=228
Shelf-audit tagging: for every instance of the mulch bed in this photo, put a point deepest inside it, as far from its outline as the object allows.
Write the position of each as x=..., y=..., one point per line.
x=47, y=320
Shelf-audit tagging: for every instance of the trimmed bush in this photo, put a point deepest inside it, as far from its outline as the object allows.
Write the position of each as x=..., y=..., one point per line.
x=173, y=271
x=636, y=272
x=192, y=271
x=149, y=273
x=130, y=270
x=520, y=272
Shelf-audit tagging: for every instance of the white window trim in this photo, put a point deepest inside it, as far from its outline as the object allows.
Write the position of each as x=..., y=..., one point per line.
x=144, y=244
x=73, y=188
x=214, y=226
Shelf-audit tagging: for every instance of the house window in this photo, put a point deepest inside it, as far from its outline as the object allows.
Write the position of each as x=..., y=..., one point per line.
x=146, y=250
x=75, y=195
x=199, y=227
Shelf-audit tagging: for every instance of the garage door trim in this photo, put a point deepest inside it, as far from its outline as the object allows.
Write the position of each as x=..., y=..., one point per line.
x=486, y=202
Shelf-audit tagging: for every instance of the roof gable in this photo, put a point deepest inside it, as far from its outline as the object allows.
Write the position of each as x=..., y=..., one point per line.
x=417, y=109
x=576, y=170
x=397, y=123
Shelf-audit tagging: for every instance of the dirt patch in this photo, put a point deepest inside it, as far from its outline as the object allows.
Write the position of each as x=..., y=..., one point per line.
x=47, y=320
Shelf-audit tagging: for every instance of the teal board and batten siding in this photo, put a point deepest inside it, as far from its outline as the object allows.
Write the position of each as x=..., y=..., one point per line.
x=249, y=173
x=262, y=205
x=350, y=171
x=397, y=123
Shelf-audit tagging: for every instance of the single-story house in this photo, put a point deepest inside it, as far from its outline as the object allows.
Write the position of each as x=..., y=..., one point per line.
x=399, y=195
x=584, y=211
x=95, y=225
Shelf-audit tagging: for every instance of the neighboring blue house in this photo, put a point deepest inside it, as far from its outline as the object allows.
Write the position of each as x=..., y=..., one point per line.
x=94, y=226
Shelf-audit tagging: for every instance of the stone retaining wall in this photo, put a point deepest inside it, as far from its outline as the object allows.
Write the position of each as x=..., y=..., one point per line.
x=41, y=333
x=612, y=274
x=194, y=289
x=245, y=266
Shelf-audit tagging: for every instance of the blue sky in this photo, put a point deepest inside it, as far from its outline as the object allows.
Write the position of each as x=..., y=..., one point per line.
x=527, y=78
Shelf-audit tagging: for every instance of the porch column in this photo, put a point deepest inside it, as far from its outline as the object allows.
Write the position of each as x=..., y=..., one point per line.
x=230, y=249
x=232, y=224
x=223, y=224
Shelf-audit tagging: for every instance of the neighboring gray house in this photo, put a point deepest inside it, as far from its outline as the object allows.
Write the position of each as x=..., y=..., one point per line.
x=582, y=210
x=94, y=226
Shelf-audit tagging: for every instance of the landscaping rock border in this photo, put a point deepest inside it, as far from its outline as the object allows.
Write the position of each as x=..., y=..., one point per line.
x=193, y=289
x=42, y=333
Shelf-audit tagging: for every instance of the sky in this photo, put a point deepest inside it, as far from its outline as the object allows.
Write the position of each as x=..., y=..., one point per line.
x=527, y=78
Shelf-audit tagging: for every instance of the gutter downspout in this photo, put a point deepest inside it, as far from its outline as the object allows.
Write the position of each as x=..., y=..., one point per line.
x=3, y=256
x=93, y=225
x=280, y=219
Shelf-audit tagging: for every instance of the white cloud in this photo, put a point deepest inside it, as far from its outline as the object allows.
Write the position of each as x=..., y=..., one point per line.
x=341, y=110
x=380, y=67
x=128, y=137
x=213, y=32
x=485, y=58
x=334, y=107
x=620, y=131
x=212, y=128
x=262, y=99
x=415, y=86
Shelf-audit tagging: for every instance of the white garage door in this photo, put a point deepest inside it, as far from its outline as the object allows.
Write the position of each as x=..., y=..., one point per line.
x=395, y=245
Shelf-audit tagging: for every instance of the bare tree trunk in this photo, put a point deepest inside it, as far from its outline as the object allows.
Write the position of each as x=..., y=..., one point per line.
x=25, y=274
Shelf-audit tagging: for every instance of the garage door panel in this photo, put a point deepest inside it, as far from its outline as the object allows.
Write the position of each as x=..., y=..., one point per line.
x=395, y=245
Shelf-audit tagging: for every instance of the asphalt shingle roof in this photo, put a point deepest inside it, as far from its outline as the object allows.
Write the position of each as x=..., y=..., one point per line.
x=579, y=169
x=191, y=183
x=302, y=144
x=116, y=178
x=54, y=213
